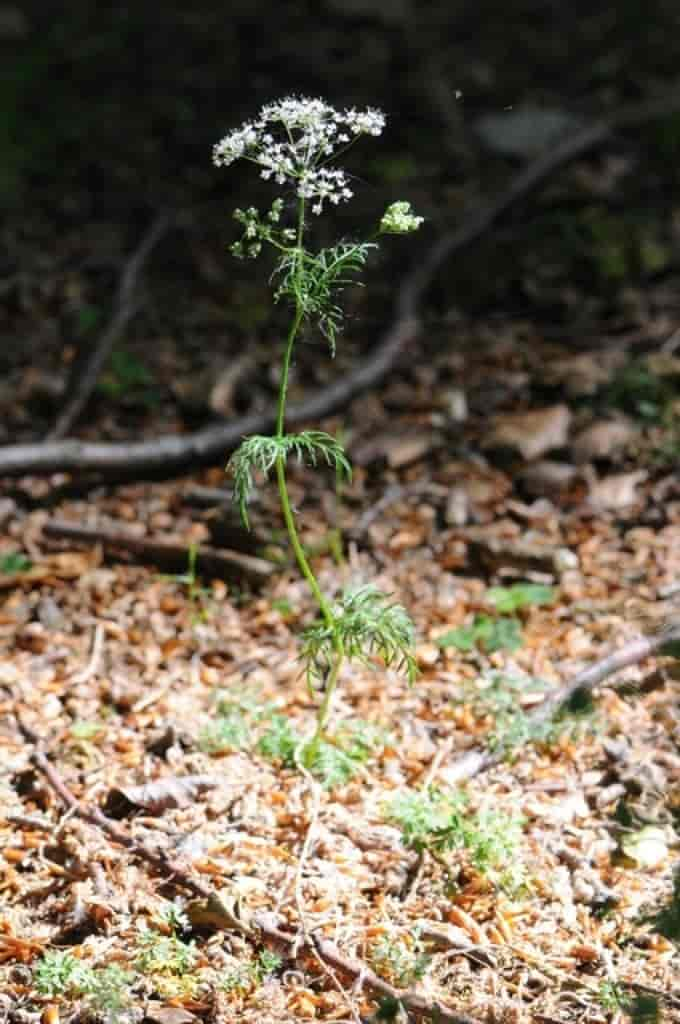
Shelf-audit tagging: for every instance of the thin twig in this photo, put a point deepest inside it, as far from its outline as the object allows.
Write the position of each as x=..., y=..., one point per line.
x=437, y=761
x=315, y=790
x=95, y=657
x=125, y=306
x=475, y=761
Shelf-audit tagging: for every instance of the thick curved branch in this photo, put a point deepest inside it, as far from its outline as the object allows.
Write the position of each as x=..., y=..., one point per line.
x=125, y=306
x=172, y=454
x=167, y=456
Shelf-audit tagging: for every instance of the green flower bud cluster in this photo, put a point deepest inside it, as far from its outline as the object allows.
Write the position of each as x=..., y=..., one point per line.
x=399, y=219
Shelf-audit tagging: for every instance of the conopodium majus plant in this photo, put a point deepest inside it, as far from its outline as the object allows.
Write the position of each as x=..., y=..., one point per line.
x=294, y=142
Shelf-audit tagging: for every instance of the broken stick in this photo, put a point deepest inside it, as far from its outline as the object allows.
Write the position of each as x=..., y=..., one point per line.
x=217, y=563
x=475, y=761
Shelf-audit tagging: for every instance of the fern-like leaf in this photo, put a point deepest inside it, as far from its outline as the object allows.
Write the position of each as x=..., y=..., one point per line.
x=260, y=453
x=367, y=626
x=312, y=281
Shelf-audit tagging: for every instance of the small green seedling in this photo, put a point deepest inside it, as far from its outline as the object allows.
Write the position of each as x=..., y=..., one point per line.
x=239, y=717
x=14, y=562
x=333, y=761
x=86, y=731
x=499, y=634
x=174, y=917
x=245, y=722
x=294, y=142
x=508, y=600
x=198, y=595
x=667, y=921
x=250, y=975
x=128, y=379
x=485, y=633
x=612, y=997
x=500, y=695
x=400, y=958
x=105, y=990
x=636, y=389
x=58, y=973
x=164, y=954
x=438, y=823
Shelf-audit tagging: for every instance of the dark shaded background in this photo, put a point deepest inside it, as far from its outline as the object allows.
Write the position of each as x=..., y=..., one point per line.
x=109, y=112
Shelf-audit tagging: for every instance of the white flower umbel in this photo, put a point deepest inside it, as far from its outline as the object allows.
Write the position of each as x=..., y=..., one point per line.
x=293, y=142
x=294, y=139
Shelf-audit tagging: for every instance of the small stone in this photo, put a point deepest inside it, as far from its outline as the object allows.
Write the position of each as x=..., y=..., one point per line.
x=564, y=559
x=457, y=507
x=648, y=847
x=427, y=655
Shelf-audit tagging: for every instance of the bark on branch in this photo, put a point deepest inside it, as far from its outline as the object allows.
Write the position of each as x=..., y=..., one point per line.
x=169, y=455
x=216, y=563
x=125, y=306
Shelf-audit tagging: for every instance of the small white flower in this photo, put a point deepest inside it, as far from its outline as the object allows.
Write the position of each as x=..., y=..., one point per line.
x=293, y=139
x=399, y=219
x=365, y=122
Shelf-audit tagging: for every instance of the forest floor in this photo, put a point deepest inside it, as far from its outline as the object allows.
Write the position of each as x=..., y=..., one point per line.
x=453, y=855
x=529, y=519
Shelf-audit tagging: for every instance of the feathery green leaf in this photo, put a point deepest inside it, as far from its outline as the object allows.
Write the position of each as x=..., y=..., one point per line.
x=260, y=453
x=311, y=281
x=367, y=625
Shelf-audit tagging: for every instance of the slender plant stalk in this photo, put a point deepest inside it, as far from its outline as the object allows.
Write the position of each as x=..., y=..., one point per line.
x=324, y=711
x=289, y=518
x=293, y=141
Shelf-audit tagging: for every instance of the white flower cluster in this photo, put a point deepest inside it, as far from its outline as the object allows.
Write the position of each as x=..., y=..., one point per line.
x=293, y=139
x=399, y=219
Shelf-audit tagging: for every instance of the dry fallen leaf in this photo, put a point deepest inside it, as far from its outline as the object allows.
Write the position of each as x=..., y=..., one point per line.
x=161, y=1013
x=614, y=492
x=64, y=565
x=531, y=433
x=582, y=374
x=602, y=439
x=395, y=450
x=159, y=796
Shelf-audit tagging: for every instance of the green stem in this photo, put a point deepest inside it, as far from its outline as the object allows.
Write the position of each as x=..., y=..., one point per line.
x=288, y=516
x=286, y=508
x=300, y=556
x=323, y=714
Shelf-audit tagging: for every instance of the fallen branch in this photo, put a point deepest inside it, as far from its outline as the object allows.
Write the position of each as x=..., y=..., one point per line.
x=125, y=306
x=168, y=455
x=476, y=761
x=414, y=1004
x=208, y=497
x=212, y=562
x=260, y=927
